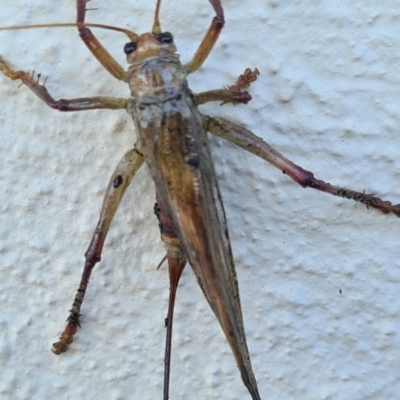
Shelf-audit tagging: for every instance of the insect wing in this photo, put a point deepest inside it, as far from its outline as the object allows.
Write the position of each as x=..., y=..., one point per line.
x=185, y=180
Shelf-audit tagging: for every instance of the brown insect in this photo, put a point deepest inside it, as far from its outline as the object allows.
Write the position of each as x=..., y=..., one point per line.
x=116, y=180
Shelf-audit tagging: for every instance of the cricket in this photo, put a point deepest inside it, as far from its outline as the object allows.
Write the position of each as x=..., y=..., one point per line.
x=172, y=142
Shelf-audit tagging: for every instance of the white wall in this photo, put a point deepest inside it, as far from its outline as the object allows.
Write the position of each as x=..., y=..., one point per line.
x=328, y=97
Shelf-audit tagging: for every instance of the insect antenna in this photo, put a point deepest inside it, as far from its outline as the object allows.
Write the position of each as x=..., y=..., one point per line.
x=131, y=35
x=156, y=30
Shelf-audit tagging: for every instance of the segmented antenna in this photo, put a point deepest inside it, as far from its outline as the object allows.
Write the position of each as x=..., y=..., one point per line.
x=157, y=26
x=131, y=35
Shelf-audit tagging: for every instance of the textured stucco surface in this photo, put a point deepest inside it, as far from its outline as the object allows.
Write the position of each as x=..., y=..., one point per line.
x=328, y=97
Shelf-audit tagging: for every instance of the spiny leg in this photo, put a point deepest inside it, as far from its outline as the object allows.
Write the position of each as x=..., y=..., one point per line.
x=223, y=95
x=233, y=93
x=175, y=269
x=120, y=180
x=176, y=263
x=209, y=39
x=95, y=47
x=255, y=145
x=84, y=103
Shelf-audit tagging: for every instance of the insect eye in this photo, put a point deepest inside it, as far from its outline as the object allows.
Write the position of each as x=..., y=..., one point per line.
x=130, y=48
x=166, y=37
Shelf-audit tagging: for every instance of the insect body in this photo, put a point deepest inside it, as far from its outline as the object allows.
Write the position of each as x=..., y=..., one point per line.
x=163, y=114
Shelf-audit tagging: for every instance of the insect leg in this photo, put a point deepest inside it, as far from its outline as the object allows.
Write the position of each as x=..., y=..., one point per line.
x=245, y=79
x=209, y=39
x=233, y=93
x=255, y=145
x=95, y=47
x=175, y=268
x=223, y=95
x=176, y=263
x=120, y=180
x=84, y=103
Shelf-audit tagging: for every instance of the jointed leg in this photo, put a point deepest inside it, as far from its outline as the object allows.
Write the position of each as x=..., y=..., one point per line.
x=120, y=180
x=224, y=96
x=175, y=269
x=84, y=103
x=96, y=48
x=176, y=263
x=209, y=39
x=255, y=145
x=233, y=93
x=244, y=80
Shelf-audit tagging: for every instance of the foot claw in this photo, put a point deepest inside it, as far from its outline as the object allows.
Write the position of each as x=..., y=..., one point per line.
x=67, y=337
x=59, y=347
x=244, y=80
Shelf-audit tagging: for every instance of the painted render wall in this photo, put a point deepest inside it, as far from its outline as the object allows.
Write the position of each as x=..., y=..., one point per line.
x=328, y=97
